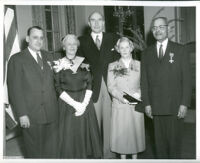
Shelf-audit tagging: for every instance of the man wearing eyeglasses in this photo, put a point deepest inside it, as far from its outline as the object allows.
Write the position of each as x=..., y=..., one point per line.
x=166, y=89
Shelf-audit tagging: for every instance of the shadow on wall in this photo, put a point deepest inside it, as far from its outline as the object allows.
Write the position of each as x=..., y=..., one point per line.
x=86, y=30
x=150, y=39
x=24, y=44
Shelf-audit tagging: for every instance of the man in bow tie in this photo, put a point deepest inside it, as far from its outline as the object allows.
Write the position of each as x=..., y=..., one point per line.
x=166, y=89
x=33, y=98
x=98, y=49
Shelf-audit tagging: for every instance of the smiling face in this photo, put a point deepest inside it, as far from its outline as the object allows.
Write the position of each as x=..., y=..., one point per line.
x=96, y=22
x=70, y=46
x=35, y=39
x=160, y=29
x=125, y=49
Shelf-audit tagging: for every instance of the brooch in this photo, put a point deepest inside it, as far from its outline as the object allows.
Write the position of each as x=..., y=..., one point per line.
x=171, y=57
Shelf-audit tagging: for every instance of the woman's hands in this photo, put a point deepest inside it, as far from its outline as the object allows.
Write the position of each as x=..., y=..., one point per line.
x=79, y=107
x=84, y=104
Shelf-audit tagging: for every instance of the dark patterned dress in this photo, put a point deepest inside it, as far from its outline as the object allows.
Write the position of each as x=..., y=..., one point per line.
x=79, y=136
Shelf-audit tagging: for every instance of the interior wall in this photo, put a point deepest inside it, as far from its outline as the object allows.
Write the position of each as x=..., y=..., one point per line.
x=149, y=12
x=24, y=21
x=80, y=19
x=82, y=13
x=188, y=14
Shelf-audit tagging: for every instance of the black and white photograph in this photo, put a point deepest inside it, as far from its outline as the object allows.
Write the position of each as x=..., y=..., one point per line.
x=111, y=80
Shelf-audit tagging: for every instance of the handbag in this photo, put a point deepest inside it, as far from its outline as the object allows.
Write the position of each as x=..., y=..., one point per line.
x=132, y=100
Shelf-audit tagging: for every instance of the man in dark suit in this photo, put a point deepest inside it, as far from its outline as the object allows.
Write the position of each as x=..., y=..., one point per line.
x=166, y=89
x=98, y=49
x=33, y=97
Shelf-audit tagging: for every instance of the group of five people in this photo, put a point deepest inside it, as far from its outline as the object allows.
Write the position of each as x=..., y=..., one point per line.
x=68, y=109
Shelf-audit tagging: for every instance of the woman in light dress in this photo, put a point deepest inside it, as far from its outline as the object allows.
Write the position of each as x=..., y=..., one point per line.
x=127, y=125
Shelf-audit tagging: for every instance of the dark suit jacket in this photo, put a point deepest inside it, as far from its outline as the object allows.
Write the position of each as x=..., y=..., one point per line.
x=31, y=90
x=165, y=86
x=98, y=59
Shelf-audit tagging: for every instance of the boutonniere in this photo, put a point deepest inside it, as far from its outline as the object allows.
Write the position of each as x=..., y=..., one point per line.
x=50, y=64
x=119, y=71
x=171, y=55
x=112, y=49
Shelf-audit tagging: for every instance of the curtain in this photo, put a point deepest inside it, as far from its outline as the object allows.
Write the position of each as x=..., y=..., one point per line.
x=70, y=20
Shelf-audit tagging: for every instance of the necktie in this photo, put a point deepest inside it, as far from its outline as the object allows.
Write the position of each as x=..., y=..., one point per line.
x=39, y=60
x=160, y=52
x=98, y=42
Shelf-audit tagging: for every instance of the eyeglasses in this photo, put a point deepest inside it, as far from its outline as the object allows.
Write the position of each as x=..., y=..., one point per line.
x=161, y=27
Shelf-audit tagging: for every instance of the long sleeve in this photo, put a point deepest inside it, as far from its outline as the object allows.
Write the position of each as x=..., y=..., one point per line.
x=58, y=88
x=144, y=81
x=186, y=78
x=89, y=81
x=111, y=83
x=15, y=86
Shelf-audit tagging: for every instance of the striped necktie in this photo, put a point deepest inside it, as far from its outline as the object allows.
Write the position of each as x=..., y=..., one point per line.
x=39, y=60
x=98, y=42
x=160, y=56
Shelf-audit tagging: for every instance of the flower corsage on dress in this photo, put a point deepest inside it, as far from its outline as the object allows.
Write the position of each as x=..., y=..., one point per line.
x=65, y=63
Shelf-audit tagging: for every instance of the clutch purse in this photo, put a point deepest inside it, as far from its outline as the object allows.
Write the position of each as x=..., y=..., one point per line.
x=131, y=99
x=138, y=103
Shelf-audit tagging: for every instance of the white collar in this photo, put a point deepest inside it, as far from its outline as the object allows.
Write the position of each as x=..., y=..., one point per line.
x=164, y=43
x=33, y=53
x=94, y=35
x=164, y=46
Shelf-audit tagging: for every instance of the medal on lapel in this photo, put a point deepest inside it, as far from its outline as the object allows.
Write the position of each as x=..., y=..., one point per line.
x=171, y=57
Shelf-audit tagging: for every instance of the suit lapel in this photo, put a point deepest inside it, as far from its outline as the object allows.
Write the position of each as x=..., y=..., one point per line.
x=32, y=62
x=92, y=43
x=168, y=49
x=103, y=43
x=155, y=54
x=166, y=52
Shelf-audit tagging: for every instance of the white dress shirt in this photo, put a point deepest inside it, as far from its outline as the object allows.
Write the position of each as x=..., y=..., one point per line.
x=164, y=46
x=94, y=35
x=34, y=55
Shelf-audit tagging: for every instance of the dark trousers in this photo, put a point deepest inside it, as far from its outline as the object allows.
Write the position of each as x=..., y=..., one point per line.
x=41, y=140
x=168, y=136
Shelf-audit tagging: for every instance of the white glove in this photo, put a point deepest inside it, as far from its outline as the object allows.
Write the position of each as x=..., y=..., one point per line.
x=79, y=113
x=87, y=97
x=85, y=102
x=79, y=107
x=76, y=105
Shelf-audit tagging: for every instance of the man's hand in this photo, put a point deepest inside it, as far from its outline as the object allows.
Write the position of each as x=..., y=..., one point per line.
x=182, y=111
x=148, y=111
x=24, y=121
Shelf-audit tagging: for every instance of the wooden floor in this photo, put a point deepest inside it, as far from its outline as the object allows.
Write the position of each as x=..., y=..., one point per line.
x=14, y=147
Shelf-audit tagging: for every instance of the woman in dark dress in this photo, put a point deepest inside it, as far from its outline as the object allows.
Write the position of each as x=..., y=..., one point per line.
x=79, y=132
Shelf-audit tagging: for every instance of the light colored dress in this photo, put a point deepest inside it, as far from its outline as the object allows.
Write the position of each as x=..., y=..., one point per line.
x=127, y=125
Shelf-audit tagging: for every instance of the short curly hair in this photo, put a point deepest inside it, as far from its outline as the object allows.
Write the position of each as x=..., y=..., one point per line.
x=64, y=39
x=122, y=39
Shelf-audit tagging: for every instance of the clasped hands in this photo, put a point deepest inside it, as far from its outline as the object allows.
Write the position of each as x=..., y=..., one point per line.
x=79, y=108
